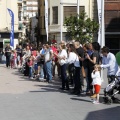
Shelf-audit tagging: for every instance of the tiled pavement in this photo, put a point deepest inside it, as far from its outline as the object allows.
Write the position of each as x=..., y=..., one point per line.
x=23, y=99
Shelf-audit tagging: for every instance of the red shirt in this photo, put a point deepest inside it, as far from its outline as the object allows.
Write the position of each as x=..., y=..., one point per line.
x=34, y=52
x=55, y=51
x=30, y=63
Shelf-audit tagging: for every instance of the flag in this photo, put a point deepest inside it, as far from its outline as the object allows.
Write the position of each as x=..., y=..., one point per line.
x=99, y=19
x=101, y=32
x=46, y=17
x=12, y=28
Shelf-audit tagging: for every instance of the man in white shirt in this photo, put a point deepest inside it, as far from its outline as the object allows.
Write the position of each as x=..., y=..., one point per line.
x=48, y=62
x=109, y=62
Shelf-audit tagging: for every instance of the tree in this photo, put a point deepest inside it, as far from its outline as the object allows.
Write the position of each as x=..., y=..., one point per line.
x=82, y=28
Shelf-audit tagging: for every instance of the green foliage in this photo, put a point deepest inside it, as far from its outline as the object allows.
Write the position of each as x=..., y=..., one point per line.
x=81, y=27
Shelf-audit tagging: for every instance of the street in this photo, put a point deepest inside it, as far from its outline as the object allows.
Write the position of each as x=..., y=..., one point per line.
x=23, y=99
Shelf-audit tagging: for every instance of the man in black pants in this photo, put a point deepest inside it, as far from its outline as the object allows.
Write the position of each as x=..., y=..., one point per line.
x=8, y=54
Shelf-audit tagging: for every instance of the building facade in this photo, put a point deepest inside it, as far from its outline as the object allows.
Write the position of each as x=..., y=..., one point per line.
x=5, y=20
x=57, y=11
x=112, y=25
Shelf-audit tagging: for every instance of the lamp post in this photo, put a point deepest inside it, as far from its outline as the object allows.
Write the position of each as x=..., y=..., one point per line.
x=78, y=9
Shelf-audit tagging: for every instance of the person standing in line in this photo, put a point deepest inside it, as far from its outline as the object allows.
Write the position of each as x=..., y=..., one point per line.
x=85, y=65
x=93, y=59
x=42, y=64
x=48, y=62
x=30, y=64
x=80, y=53
x=8, y=55
x=55, y=59
x=73, y=60
x=62, y=57
x=109, y=62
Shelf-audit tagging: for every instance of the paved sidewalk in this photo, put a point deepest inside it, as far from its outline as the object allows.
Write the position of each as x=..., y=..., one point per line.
x=23, y=99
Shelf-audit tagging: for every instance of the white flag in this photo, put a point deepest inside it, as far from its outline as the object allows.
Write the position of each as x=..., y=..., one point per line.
x=99, y=4
x=46, y=17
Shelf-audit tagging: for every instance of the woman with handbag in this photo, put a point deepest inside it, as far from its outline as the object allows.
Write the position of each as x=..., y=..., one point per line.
x=73, y=61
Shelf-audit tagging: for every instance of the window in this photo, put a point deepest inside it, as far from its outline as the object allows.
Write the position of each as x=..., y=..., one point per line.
x=55, y=15
x=20, y=26
x=24, y=8
x=72, y=10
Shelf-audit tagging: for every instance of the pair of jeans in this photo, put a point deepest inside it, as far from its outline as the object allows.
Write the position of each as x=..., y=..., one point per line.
x=64, y=77
x=30, y=71
x=41, y=71
x=48, y=66
x=77, y=79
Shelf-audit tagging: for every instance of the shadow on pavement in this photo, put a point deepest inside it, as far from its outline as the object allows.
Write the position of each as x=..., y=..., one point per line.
x=83, y=100
x=49, y=88
x=78, y=99
x=105, y=114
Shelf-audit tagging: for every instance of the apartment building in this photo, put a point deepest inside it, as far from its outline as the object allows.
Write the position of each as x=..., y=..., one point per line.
x=27, y=9
x=57, y=11
x=5, y=19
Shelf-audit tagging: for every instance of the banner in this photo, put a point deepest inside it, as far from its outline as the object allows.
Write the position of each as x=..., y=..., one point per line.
x=12, y=28
x=46, y=17
x=99, y=4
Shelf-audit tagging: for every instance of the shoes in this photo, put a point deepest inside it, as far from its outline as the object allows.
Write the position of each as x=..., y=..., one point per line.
x=41, y=79
x=67, y=89
x=50, y=81
x=62, y=88
x=93, y=96
x=90, y=93
x=77, y=93
x=31, y=78
x=96, y=102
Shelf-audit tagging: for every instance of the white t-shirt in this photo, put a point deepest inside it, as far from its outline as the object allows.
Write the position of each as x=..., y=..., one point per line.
x=96, y=78
x=73, y=58
x=47, y=54
x=63, y=53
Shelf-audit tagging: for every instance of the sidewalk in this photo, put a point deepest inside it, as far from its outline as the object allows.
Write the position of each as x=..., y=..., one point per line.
x=23, y=99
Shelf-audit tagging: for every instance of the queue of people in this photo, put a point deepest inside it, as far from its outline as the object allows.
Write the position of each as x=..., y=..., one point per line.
x=75, y=63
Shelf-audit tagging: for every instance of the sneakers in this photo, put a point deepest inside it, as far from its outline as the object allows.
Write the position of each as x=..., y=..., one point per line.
x=96, y=102
x=93, y=96
x=31, y=78
x=41, y=79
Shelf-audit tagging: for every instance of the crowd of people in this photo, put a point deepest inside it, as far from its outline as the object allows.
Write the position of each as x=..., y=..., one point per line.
x=74, y=62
